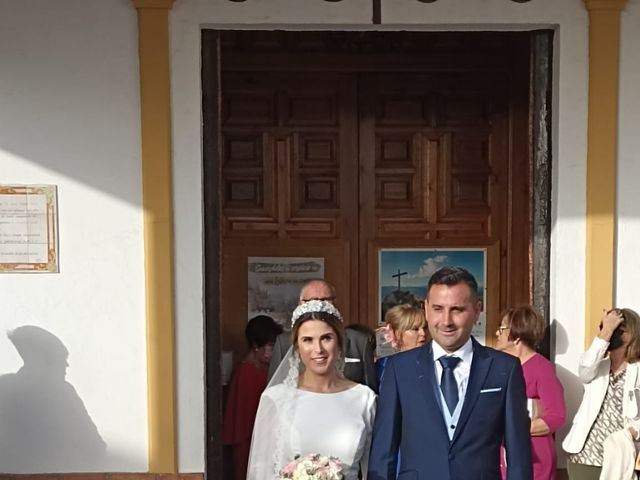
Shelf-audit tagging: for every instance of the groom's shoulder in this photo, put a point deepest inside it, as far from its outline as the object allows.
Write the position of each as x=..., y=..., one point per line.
x=411, y=356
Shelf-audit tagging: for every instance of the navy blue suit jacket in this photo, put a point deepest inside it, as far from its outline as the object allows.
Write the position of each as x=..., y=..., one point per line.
x=409, y=419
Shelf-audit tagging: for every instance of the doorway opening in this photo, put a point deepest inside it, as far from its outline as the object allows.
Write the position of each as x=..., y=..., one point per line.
x=336, y=145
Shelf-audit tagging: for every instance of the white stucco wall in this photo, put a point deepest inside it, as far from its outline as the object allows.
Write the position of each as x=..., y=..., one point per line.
x=69, y=116
x=568, y=18
x=628, y=259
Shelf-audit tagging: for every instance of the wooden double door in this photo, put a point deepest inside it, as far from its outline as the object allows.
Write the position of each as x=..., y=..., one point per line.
x=336, y=145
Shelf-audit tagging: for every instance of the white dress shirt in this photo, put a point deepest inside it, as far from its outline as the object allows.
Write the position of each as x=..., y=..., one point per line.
x=461, y=373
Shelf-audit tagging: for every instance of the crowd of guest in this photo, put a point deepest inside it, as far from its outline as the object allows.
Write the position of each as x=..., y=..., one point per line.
x=441, y=405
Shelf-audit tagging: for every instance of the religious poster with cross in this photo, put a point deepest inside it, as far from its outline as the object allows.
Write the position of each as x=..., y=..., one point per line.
x=403, y=274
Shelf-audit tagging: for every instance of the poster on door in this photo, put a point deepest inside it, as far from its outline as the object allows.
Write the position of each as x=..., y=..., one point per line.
x=403, y=275
x=274, y=285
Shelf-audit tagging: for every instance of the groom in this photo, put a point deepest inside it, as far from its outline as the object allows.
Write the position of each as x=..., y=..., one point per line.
x=447, y=407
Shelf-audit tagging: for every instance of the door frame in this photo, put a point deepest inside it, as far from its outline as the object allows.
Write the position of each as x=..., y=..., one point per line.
x=540, y=108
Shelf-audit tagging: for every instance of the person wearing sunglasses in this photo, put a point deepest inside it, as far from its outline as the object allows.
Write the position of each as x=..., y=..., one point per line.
x=601, y=440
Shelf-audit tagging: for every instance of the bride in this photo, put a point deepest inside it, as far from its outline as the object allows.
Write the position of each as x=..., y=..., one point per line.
x=309, y=407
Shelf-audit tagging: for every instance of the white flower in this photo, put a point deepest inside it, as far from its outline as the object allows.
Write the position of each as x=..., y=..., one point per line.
x=312, y=467
x=315, y=306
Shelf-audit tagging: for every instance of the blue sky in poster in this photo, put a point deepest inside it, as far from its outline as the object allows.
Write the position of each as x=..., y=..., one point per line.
x=421, y=264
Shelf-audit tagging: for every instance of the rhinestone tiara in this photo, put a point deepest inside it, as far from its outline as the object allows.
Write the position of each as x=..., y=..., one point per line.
x=314, y=306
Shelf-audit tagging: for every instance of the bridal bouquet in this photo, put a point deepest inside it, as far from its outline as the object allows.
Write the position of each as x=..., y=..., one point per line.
x=312, y=467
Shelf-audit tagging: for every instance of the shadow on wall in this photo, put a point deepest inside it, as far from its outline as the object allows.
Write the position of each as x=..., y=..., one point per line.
x=44, y=425
x=573, y=388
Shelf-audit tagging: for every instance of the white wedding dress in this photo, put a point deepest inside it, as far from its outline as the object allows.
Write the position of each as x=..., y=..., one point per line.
x=291, y=422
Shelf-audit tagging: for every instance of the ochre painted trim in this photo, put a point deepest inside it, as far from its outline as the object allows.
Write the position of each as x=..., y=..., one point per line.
x=155, y=113
x=617, y=5
x=604, y=46
x=160, y=4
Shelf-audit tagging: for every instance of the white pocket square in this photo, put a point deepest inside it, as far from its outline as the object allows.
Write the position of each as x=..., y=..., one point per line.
x=351, y=360
x=490, y=390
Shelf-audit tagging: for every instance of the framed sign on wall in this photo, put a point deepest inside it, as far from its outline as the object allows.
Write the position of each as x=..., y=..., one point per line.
x=28, y=228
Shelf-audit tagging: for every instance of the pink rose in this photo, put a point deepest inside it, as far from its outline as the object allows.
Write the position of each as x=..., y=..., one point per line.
x=289, y=468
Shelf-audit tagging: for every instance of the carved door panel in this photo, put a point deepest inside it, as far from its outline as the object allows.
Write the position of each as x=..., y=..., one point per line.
x=288, y=181
x=435, y=164
x=332, y=144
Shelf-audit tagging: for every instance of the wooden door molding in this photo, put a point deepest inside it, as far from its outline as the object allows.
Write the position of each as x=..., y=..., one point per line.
x=444, y=157
x=288, y=141
x=289, y=160
x=426, y=134
x=211, y=232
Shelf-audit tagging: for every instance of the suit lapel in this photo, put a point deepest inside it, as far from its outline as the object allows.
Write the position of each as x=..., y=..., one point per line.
x=428, y=385
x=479, y=369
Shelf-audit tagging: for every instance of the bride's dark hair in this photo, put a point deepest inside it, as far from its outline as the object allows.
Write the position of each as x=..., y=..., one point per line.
x=328, y=318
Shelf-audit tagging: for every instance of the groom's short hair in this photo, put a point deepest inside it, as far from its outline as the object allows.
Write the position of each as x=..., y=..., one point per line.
x=451, y=276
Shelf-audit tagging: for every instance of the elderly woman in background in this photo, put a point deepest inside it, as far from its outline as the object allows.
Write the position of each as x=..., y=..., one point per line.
x=405, y=329
x=247, y=384
x=609, y=415
x=520, y=330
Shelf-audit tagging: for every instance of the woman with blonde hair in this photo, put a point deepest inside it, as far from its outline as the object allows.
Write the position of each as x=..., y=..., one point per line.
x=601, y=440
x=405, y=328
